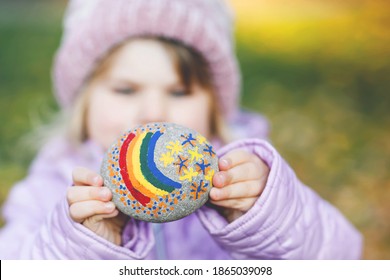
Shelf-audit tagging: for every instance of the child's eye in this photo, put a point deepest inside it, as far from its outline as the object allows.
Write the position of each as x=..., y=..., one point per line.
x=179, y=93
x=124, y=90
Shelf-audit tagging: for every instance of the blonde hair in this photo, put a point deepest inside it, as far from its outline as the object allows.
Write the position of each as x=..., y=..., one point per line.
x=191, y=67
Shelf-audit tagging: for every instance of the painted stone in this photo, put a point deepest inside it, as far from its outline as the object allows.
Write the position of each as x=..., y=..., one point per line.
x=160, y=172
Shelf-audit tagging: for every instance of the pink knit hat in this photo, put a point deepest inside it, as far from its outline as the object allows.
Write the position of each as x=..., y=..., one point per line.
x=93, y=27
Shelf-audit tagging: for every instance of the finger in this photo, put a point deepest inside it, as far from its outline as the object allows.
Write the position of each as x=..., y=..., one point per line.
x=85, y=177
x=98, y=218
x=243, y=172
x=118, y=219
x=234, y=158
x=242, y=204
x=84, y=193
x=80, y=211
x=237, y=191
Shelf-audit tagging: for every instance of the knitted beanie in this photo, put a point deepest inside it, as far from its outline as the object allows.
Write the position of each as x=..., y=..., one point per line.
x=93, y=27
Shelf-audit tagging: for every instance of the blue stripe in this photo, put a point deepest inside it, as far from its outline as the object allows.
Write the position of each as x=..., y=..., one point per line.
x=152, y=165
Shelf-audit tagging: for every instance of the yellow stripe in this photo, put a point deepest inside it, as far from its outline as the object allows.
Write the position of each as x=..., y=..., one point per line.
x=137, y=168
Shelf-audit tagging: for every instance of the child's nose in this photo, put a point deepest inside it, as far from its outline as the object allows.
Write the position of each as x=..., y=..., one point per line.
x=153, y=108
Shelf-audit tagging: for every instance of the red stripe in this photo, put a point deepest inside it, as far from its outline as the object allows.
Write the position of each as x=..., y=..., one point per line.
x=123, y=169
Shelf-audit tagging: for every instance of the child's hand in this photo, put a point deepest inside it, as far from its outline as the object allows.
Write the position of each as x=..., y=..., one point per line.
x=89, y=204
x=239, y=183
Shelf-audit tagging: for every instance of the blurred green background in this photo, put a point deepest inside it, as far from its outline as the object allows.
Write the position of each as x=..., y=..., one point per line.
x=319, y=70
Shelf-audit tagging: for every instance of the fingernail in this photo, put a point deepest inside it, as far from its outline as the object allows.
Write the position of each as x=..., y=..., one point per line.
x=109, y=206
x=224, y=163
x=215, y=193
x=220, y=178
x=95, y=180
x=104, y=193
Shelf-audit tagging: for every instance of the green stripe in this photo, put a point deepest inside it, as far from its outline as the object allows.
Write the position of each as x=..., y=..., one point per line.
x=144, y=166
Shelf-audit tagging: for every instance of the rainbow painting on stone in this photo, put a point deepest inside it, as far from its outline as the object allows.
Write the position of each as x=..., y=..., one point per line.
x=160, y=172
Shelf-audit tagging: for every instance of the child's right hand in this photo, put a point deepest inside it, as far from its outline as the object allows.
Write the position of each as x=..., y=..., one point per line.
x=89, y=204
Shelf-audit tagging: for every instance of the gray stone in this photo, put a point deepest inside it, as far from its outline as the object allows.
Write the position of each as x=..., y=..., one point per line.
x=160, y=172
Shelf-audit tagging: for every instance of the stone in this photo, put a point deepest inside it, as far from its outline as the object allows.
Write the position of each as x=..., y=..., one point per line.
x=160, y=172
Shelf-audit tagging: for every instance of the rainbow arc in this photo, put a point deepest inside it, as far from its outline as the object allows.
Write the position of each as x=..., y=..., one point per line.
x=139, y=171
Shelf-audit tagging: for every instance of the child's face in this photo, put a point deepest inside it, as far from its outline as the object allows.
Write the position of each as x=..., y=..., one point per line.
x=142, y=86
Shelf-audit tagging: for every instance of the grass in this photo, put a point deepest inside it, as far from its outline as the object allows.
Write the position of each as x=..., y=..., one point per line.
x=325, y=94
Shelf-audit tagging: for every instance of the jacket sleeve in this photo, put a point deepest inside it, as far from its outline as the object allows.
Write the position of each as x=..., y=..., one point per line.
x=288, y=221
x=38, y=225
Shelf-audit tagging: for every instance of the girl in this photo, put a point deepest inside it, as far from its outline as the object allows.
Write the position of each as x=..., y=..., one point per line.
x=128, y=62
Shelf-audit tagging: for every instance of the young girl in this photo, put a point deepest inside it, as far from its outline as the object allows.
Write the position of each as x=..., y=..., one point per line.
x=128, y=62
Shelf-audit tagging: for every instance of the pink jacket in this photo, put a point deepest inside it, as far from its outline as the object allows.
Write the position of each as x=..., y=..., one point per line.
x=288, y=221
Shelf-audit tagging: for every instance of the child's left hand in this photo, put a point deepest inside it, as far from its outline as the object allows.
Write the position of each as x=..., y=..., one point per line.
x=239, y=183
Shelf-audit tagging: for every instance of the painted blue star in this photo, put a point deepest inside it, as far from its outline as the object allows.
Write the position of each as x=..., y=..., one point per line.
x=181, y=164
x=189, y=138
x=209, y=150
x=199, y=188
x=203, y=166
